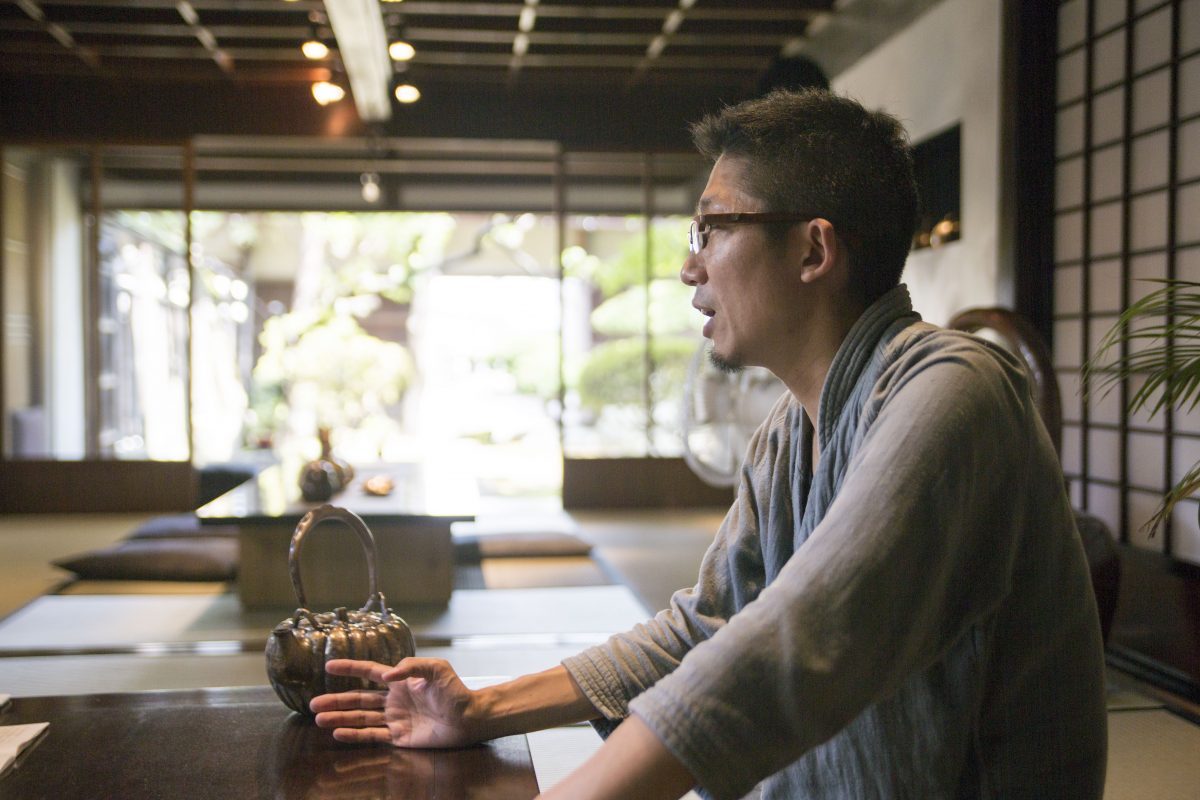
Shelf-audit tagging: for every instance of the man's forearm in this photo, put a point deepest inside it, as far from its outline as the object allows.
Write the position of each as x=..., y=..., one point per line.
x=533, y=702
x=632, y=763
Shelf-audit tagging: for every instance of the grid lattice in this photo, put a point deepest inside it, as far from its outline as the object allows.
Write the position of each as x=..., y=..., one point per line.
x=1127, y=209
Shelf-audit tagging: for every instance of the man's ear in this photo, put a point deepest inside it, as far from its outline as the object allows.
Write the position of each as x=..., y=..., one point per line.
x=821, y=249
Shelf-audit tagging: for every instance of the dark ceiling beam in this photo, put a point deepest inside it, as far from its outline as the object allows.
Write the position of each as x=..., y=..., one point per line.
x=164, y=31
x=167, y=51
x=417, y=8
x=57, y=32
x=204, y=36
x=415, y=35
x=597, y=61
x=163, y=71
x=572, y=39
x=428, y=59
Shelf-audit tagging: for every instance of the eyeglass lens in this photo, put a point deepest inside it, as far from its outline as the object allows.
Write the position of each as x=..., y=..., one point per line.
x=695, y=237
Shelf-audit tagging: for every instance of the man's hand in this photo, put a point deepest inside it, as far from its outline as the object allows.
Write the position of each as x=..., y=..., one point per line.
x=425, y=705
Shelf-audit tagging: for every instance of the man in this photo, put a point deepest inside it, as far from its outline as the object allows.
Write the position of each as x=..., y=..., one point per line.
x=897, y=604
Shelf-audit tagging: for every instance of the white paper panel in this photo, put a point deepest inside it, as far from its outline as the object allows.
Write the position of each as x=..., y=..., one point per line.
x=1188, y=164
x=1189, y=86
x=1068, y=183
x=1108, y=116
x=1189, y=26
x=1145, y=460
x=1142, y=269
x=1105, y=503
x=1068, y=290
x=1148, y=221
x=1187, y=264
x=1068, y=129
x=1104, y=286
x=1152, y=40
x=1108, y=59
x=1071, y=73
x=1187, y=214
x=1105, y=234
x=1152, y=100
x=1142, y=506
x=1107, y=13
x=1072, y=23
x=1185, y=453
x=1098, y=327
x=1068, y=236
x=1076, y=491
x=1185, y=532
x=1108, y=173
x=1068, y=343
x=1071, y=435
x=1150, y=161
x=1068, y=388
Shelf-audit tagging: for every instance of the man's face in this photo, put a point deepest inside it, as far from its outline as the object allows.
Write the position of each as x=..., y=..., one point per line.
x=738, y=276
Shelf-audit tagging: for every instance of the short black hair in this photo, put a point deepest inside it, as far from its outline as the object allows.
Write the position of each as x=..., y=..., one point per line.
x=815, y=151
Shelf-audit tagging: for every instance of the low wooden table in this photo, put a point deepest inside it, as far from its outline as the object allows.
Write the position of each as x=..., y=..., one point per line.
x=411, y=528
x=227, y=743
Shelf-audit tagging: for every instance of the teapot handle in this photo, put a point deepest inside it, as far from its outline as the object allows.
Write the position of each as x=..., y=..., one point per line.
x=310, y=521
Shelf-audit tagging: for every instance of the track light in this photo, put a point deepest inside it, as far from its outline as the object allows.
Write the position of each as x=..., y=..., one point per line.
x=326, y=92
x=401, y=51
x=407, y=93
x=314, y=49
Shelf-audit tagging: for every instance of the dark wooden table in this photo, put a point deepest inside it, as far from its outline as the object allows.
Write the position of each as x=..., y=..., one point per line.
x=411, y=528
x=235, y=743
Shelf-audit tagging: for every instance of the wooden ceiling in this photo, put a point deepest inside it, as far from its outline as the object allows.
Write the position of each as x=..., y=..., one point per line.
x=595, y=73
x=569, y=42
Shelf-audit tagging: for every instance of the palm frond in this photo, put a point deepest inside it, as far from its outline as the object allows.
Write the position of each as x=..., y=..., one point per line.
x=1156, y=338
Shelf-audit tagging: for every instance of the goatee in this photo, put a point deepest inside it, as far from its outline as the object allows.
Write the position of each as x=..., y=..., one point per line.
x=728, y=366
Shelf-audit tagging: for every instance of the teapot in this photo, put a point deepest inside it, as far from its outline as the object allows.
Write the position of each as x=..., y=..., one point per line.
x=299, y=646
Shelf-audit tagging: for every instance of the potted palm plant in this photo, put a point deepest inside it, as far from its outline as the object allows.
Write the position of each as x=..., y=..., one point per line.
x=1158, y=338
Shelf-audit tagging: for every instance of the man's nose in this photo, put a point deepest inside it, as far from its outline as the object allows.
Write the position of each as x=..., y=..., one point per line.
x=691, y=273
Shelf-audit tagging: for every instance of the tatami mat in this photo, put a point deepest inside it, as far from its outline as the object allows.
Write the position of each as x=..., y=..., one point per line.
x=1152, y=754
x=545, y=571
x=117, y=621
x=146, y=587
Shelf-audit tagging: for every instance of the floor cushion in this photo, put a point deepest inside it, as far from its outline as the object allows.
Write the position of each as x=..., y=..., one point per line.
x=179, y=526
x=212, y=558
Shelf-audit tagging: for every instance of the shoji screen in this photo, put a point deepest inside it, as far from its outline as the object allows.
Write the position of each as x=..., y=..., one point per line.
x=1127, y=208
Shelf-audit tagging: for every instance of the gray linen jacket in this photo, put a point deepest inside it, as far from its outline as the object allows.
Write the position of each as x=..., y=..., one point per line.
x=915, y=620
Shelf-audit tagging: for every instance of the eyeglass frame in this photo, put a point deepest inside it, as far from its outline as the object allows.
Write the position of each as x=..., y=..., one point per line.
x=695, y=234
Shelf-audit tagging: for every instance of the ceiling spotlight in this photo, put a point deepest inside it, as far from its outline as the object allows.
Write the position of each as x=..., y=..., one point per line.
x=407, y=93
x=370, y=187
x=401, y=51
x=314, y=49
x=325, y=92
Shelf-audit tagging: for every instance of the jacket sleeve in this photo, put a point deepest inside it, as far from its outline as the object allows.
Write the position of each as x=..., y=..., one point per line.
x=731, y=575
x=917, y=547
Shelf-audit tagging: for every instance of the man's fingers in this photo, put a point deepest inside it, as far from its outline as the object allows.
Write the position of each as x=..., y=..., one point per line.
x=370, y=670
x=350, y=719
x=363, y=735
x=413, y=667
x=345, y=701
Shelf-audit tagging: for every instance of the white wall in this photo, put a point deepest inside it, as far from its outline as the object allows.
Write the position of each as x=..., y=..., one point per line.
x=944, y=69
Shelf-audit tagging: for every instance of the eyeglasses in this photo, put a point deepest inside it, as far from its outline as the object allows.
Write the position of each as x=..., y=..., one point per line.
x=702, y=224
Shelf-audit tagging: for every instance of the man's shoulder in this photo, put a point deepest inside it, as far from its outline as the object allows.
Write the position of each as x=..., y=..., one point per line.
x=922, y=344
x=981, y=376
